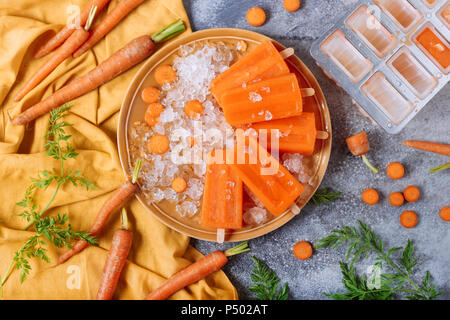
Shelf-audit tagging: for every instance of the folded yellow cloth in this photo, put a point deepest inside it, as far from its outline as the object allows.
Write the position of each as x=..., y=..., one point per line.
x=157, y=252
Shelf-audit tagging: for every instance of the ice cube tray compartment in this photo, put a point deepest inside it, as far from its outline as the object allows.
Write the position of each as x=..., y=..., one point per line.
x=387, y=98
x=434, y=45
x=430, y=3
x=401, y=12
x=410, y=71
x=346, y=56
x=371, y=31
x=444, y=14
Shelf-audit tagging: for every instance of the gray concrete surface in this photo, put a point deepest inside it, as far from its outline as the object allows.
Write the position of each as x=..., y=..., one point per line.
x=310, y=279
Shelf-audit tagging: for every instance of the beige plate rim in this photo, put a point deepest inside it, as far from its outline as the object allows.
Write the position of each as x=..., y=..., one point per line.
x=167, y=50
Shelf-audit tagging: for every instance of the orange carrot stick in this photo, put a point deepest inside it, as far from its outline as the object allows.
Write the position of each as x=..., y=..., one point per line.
x=123, y=193
x=439, y=148
x=123, y=8
x=195, y=272
x=77, y=38
x=67, y=31
x=124, y=59
x=117, y=257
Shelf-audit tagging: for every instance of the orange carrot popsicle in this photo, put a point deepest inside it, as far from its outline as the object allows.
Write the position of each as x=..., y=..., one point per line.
x=269, y=181
x=296, y=134
x=271, y=99
x=222, y=198
x=436, y=47
x=264, y=62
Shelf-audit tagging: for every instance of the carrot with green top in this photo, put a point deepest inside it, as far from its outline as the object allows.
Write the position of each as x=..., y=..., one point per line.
x=195, y=272
x=359, y=146
x=117, y=257
x=124, y=59
x=122, y=9
x=76, y=39
x=62, y=35
x=438, y=148
x=116, y=200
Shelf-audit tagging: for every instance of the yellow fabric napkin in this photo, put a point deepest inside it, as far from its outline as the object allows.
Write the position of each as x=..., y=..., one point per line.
x=157, y=252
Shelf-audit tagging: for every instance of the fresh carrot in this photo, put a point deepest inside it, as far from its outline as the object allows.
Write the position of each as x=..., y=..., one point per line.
x=151, y=120
x=411, y=193
x=155, y=109
x=408, y=219
x=359, y=146
x=76, y=39
x=116, y=200
x=395, y=170
x=123, y=8
x=370, y=196
x=256, y=16
x=291, y=5
x=165, y=74
x=444, y=213
x=117, y=257
x=438, y=148
x=193, y=109
x=303, y=250
x=195, y=272
x=61, y=36
x=150, y=95
x=127, y=57
x=179, y=185
x=396, y=199
x=159, y=144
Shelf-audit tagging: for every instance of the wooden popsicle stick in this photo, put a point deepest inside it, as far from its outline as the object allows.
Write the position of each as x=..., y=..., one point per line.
x=322, y=135
x=286, y=53
x=220, y=235
x=295, y=209
x=307, y=92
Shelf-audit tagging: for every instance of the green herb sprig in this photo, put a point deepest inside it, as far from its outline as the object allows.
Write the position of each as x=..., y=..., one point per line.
x=361, y=241
x=54, y=230
x=324, y=196
x=266, y=283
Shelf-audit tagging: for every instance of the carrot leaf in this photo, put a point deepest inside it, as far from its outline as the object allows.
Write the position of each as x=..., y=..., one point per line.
x=55, y=230
x=172, y=30
x=324, y=196
x=266, y=283
x=363, y=241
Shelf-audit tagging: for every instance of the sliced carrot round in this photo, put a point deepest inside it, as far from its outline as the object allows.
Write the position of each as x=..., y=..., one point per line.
x=411, y=193
x=193, y=109
x=155, y=109
x=179, y=185
x=445, y=213
x=303, y=250
x=370, y=196
x=159, y=144
x=396, y=199
x=409, y=219
x=165, y=74
x=395, y=170
x=256, y=16
x=150, y=94
x=291, y=5
x=151, y=121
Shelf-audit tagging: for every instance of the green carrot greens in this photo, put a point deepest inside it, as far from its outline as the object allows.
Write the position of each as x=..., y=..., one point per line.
x=266, y=283
x=55, y=230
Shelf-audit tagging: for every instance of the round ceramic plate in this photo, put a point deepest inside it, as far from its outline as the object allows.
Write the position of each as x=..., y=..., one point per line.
x=133, y=109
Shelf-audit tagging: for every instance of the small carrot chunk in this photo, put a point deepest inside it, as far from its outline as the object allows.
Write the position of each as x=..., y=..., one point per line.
x=444, y=213
x=411, y=193
x=256, y=16
x=370, y=196
x=409, y=219
x=358, y=144
x=179, y=185
x=396, y=199
x=165, y=74
x=191, y=141
x=150, y=94
x=291, y=5
x=395, y=170
x=155, y=109
x=159, y=144
x=193, y=109
x=303, y=250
